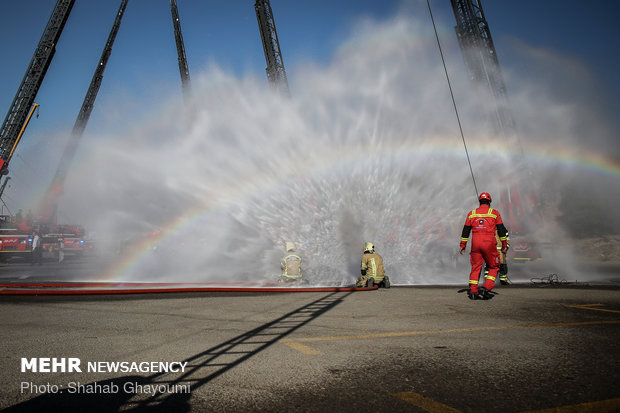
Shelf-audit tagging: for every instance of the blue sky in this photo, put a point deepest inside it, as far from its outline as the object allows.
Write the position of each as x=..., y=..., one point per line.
x=144, y=54
x=144, y=61
x=226, y=33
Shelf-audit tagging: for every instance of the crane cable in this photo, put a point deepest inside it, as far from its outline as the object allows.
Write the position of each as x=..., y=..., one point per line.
x=458, y=119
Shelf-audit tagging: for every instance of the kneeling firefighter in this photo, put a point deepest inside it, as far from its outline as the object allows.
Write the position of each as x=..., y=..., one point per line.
x=290, y=265
x=372, y=269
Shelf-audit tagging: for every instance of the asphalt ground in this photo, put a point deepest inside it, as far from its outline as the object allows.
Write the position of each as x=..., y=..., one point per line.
x=402, y=349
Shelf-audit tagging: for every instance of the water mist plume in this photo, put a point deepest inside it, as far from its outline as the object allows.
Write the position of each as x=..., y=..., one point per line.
x=367, y=149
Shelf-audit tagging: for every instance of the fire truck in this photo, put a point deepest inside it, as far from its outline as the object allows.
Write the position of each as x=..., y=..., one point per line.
x=522, y=217
x=15, y=234
x=14, y=242
x=66, y=238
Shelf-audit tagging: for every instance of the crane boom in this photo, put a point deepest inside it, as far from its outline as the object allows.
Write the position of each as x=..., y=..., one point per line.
x=89, y=101
x=476, y=43
x=271, y=46
x=23, y=129
x=178, y=37
x=518, y=198
x=24, y=98
x=19, y=136
x=49, y=203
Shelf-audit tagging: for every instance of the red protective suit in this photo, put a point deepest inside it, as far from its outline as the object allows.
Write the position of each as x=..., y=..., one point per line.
x=482, y=222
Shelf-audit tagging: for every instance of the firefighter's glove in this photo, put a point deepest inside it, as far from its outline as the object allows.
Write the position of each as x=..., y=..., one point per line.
x=504, y=247
x=462, y=247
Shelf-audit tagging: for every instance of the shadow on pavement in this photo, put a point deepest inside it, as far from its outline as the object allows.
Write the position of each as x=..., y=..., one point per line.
x=200, y=370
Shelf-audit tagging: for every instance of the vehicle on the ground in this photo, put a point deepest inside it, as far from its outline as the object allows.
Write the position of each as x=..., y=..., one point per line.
x=13, y=241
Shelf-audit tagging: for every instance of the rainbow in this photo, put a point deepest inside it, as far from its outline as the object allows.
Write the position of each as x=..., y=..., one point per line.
x=567, y=158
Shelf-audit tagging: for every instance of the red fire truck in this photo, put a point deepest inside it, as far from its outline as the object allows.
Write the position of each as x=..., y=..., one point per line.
x=68, y=238
x=13, y=241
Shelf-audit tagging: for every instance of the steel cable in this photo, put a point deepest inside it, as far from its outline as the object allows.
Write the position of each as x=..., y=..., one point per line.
x=458, y=119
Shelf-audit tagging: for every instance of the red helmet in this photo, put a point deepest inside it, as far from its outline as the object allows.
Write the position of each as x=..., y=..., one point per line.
x=484, y=195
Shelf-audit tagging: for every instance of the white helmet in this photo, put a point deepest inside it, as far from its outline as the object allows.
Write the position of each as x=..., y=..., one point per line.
x=369, y=247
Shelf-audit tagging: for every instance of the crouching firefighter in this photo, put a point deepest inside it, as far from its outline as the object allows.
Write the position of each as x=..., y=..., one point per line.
x=372, y=269
x=482, y=223
x=290, y=265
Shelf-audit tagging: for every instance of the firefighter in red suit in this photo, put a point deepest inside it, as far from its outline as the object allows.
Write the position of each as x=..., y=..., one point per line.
x=482, y=223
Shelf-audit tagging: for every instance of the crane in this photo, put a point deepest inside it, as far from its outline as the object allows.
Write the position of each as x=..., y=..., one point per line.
x=480, y=56
x=178, y=37
x=19, y=115
x=24, y=98
x=24, y=106
x=35, y=106
x=517, y=198
x=275, y=64
x=48, y=210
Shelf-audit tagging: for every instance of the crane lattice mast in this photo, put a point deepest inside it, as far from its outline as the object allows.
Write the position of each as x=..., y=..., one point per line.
x=178, y=37
x=24, y=99
x=476, y=43
x=89, y=101
x=48, y=212
x=271, y=46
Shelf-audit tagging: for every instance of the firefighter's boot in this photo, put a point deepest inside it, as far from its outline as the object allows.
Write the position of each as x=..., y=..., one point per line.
x=503, y=274
x=485, y=294
x=473, y=295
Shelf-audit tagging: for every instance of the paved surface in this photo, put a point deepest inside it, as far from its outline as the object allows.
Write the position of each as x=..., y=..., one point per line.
x=402, y=349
